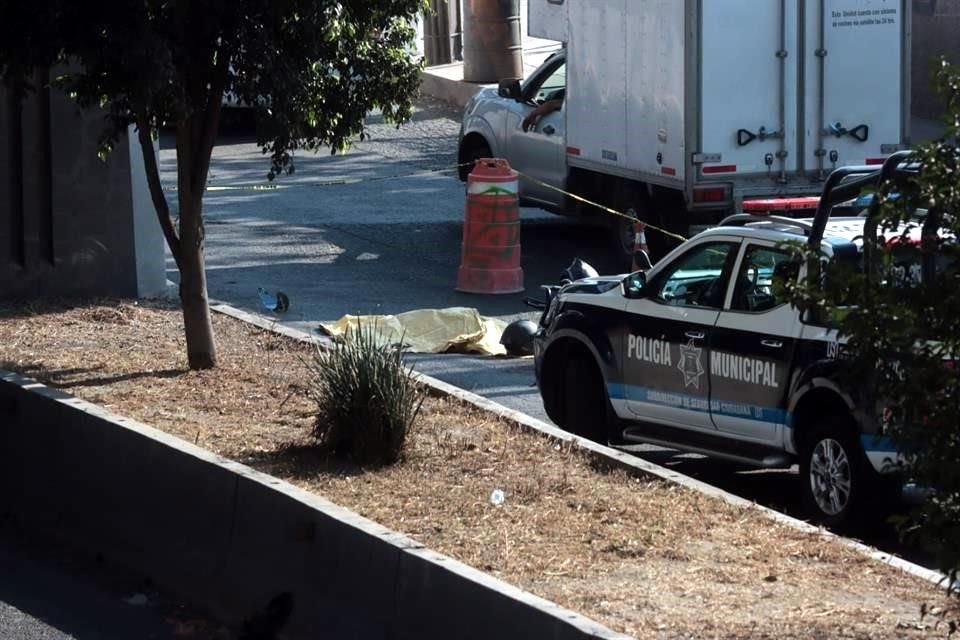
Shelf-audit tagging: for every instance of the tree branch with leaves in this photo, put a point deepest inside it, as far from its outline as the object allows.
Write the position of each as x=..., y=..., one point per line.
x=899, y=311
x=312, y=70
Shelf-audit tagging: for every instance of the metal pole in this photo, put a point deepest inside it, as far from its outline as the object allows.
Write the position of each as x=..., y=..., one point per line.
x=457, y=35
x=436, y=33
x=443, y=32
x=429, y=36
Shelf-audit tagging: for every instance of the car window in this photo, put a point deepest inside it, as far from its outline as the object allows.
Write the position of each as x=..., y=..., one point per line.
x=697, y=278
x=761, y=268
x=553, y=85
x=902, y=270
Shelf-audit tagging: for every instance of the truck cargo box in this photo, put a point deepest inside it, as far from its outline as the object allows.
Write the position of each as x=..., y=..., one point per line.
x=763, y=96
x=547, y=19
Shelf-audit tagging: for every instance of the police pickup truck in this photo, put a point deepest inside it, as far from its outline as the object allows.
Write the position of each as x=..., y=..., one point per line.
x=700, y=353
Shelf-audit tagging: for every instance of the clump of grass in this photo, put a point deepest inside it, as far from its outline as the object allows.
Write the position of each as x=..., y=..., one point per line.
x=366, y=398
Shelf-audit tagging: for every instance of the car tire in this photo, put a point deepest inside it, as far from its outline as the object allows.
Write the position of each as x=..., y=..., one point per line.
x=586, y=407
x=834, y=473
x=473, y=152
x=622, y=237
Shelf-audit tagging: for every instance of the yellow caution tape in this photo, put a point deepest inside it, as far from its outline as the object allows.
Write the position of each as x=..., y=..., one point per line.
x=423, y=172
x=326, y=183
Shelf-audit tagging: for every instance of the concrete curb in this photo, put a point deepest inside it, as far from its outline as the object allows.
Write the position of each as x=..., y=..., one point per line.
x=434, y=83
x=619, y=458
x=232, y=538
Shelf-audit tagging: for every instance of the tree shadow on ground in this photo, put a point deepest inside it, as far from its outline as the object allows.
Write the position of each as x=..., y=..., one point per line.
x=70, y=378
x=299, y=461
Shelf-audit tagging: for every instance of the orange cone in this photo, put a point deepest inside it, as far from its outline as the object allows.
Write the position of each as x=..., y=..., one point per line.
x=490, y=260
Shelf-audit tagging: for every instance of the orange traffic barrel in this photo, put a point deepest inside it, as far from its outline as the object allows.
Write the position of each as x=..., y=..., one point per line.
x=490, y=260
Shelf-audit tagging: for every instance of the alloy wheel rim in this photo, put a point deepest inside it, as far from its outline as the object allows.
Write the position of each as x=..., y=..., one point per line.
x=830, y=476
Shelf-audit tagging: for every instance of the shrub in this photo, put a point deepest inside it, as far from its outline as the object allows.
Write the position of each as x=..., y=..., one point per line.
x=366, y=398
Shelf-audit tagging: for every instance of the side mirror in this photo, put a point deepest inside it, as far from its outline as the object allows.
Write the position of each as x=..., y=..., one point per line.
x=509, y=88
x=634, y=285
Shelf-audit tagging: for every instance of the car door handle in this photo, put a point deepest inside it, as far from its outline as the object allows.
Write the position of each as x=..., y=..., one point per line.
x=773, y=344
x=695, y=335
x=549, y=130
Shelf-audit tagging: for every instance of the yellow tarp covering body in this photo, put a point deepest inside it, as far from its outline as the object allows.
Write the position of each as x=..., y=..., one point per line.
x=459, y=329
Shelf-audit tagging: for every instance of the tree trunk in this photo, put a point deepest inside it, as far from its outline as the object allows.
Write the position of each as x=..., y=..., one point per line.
x=201, y=349
x=198, y=328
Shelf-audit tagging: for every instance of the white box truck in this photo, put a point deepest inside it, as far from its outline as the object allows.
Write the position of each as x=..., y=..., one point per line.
x=681, y=109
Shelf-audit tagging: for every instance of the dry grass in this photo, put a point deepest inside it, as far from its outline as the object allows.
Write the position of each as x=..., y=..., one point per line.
x=643, y=557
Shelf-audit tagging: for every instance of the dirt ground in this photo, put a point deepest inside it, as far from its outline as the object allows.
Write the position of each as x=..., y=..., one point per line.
x=642, y=557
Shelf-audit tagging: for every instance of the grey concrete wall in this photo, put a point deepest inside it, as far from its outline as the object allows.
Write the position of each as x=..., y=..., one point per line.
x=148, y=241
x=232, y=538
x=71, y=223
x=936, y=32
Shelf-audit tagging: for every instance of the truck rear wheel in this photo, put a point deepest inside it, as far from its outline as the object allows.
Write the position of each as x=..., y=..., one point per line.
x=622, y=237
x=634, y=201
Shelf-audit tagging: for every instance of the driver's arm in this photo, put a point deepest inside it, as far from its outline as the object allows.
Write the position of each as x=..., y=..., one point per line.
x=554, y=102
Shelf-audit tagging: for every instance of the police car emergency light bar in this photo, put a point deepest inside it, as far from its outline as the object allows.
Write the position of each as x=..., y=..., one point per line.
x=765, y=206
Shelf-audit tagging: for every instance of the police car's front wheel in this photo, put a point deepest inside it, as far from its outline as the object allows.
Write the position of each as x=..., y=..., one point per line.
x=586, y=409
x=832, y=474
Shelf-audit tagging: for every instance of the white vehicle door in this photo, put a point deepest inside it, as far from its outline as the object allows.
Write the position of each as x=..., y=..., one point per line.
x=539, y=153
x=750, y=62
x=752, y=347
x=854, y=82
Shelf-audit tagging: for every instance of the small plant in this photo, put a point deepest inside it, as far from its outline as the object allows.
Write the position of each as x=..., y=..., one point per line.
x=366, y=398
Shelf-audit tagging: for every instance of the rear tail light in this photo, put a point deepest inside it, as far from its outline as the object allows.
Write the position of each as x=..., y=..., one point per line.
x=720, y=168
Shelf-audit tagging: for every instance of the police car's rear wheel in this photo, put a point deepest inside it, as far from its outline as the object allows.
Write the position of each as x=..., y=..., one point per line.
x=832, y=473
x=586, y=407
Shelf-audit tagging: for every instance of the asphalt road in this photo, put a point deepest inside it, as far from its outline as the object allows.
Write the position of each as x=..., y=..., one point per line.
x=378, y=230
x=46, y=594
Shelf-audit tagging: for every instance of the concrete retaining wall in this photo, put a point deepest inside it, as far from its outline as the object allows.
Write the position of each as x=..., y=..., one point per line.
x=70, y=223
x=232, y=538
x=445, y=83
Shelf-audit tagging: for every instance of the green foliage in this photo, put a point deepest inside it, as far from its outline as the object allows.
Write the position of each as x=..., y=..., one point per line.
x=312, y=68
x=899, y=308
x=366, y=398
